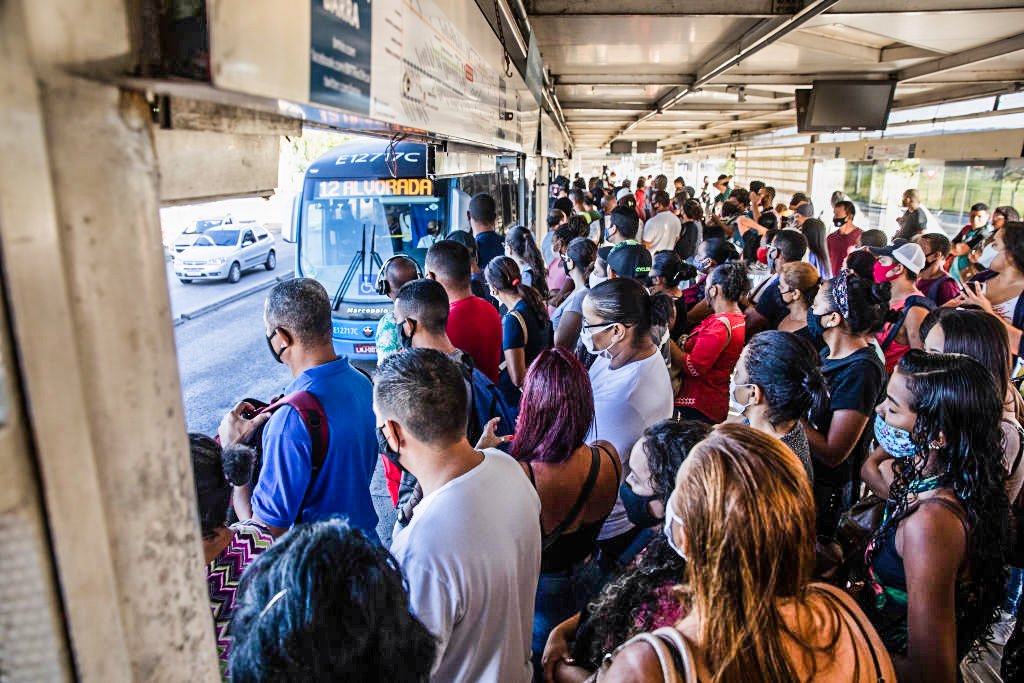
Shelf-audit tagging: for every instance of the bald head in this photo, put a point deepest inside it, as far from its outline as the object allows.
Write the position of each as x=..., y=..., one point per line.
x=398, y=272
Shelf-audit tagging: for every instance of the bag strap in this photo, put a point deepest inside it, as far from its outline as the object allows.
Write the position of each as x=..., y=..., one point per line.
x=1020, y=449
x=581, y=500
x=522, y=323
x=313, y=416
x=828, y=590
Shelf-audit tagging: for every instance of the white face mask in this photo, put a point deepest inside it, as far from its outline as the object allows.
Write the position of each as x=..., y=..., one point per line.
x=988, y=256
x=587, y=337
x=734, y=405
x=594, y=280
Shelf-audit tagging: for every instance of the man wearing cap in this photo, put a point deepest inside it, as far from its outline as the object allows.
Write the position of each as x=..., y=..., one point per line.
x=629, y=260
x=899, y=264
x=845, y=236
x=661, y=231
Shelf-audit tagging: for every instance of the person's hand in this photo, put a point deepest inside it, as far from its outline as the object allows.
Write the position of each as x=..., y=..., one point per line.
x=235, y=427
x=972, y=294
x=490, y=438
x=556, y=650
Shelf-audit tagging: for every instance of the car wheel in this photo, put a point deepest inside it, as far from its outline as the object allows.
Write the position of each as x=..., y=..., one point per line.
x=271, y=261
x=185, y=281
x=235, y=274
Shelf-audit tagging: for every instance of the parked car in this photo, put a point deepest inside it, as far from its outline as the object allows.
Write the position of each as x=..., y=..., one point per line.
x=190, y=234
x=224, y=252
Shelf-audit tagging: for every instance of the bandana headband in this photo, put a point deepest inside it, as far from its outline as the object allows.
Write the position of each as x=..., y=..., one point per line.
x=841, y=292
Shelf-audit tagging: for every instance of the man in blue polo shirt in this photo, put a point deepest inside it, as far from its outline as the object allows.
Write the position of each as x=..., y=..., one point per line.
x=298, y=323
x=483, y=216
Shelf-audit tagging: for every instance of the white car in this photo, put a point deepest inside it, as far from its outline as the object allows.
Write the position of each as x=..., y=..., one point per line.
x=225, y=251
x=190, y=234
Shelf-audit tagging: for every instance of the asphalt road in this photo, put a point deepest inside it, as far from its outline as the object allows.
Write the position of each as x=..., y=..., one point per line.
x=193, y=296
x=223, y=358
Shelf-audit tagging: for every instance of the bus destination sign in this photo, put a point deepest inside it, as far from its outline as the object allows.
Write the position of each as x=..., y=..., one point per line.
x=375, y=187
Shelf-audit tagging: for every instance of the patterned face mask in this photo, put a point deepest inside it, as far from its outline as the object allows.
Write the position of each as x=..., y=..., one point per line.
x=893, y=440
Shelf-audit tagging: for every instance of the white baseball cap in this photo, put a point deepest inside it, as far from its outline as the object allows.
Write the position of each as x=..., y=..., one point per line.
x=909, y=254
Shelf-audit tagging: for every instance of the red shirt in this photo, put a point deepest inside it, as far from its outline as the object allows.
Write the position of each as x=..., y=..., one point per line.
x=712, y=350
x=839, y=245
x=474, y=326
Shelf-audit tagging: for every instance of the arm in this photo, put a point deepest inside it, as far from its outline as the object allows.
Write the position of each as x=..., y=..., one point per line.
x=755, y=321
x=933, y=547
x=637, y=662
x=241, y=500
x=972, y=294
x=912, y=324
x=708, y=347
x=877, y=472
x=515, y=363
x=561, y=295
x=700, y=310
x=556, y=657
x=568, y=332
x=834, y=448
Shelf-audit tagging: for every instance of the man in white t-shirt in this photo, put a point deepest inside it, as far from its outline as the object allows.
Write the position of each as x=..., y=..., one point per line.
x=471, y=553
x=661, y=231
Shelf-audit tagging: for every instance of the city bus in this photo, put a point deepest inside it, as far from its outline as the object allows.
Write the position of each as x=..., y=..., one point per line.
x=370, y=199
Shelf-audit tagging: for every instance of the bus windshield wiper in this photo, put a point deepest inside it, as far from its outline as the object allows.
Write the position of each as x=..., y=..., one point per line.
x=358, y=261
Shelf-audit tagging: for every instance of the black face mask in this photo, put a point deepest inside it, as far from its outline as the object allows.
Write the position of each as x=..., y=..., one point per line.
x=815, y=328
x=406, y=339
x=637, y=509
x=270, y=345
x=839, y=222
x=387, y=451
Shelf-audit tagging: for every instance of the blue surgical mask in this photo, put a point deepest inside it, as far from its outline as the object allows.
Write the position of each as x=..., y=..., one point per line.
x=893, y=440
x=815, y=328
x=670, y=517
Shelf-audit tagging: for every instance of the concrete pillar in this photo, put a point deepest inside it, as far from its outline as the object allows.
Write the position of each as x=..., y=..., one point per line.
x=80, y=233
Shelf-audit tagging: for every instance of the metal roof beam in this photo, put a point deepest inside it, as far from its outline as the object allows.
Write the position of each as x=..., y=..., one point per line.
x=805, y=80
x=733, y=8
x=965, y=58
x=690, y=106
x=620, y=79
x=749, y=8
x=765, y=33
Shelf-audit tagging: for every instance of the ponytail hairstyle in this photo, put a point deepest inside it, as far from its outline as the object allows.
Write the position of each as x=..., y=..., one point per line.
x=521, y=241
x=215, y=471
x=804, y=278
x=863, y=304
x=583, y=253
x=627, y=302
x=503, y=274
x=732, y=278
x=668, y=266
x=788, y=371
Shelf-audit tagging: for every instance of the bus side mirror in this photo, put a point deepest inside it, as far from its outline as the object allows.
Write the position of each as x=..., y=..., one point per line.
x=290, y=230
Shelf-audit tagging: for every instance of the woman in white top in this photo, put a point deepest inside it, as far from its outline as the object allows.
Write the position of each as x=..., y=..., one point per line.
x=998, y=289
x=632, y=389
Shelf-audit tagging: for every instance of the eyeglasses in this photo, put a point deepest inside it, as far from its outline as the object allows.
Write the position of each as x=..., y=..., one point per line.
x=590, y=326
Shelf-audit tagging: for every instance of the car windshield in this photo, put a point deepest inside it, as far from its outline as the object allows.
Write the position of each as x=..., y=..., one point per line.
x=218, y=238
x=202, y=226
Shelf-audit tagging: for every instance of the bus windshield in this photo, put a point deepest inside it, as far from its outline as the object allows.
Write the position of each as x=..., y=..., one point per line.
x=344, y=240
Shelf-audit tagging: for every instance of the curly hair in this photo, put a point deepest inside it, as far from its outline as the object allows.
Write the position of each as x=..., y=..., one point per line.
x=623, y=608
x=318, y=587
x=956, y=401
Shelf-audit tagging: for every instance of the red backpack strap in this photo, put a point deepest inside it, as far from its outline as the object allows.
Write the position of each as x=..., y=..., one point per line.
x=313, y=416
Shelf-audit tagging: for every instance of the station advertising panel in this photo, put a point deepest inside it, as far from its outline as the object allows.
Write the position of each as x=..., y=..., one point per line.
x=424, y=65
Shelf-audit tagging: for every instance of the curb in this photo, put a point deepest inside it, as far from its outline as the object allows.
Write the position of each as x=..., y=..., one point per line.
x=203, y=310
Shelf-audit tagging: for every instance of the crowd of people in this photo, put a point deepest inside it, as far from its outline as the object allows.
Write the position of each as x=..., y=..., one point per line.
x=632, y=450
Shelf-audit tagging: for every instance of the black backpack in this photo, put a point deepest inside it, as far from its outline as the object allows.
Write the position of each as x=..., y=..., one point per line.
x=912, y=301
